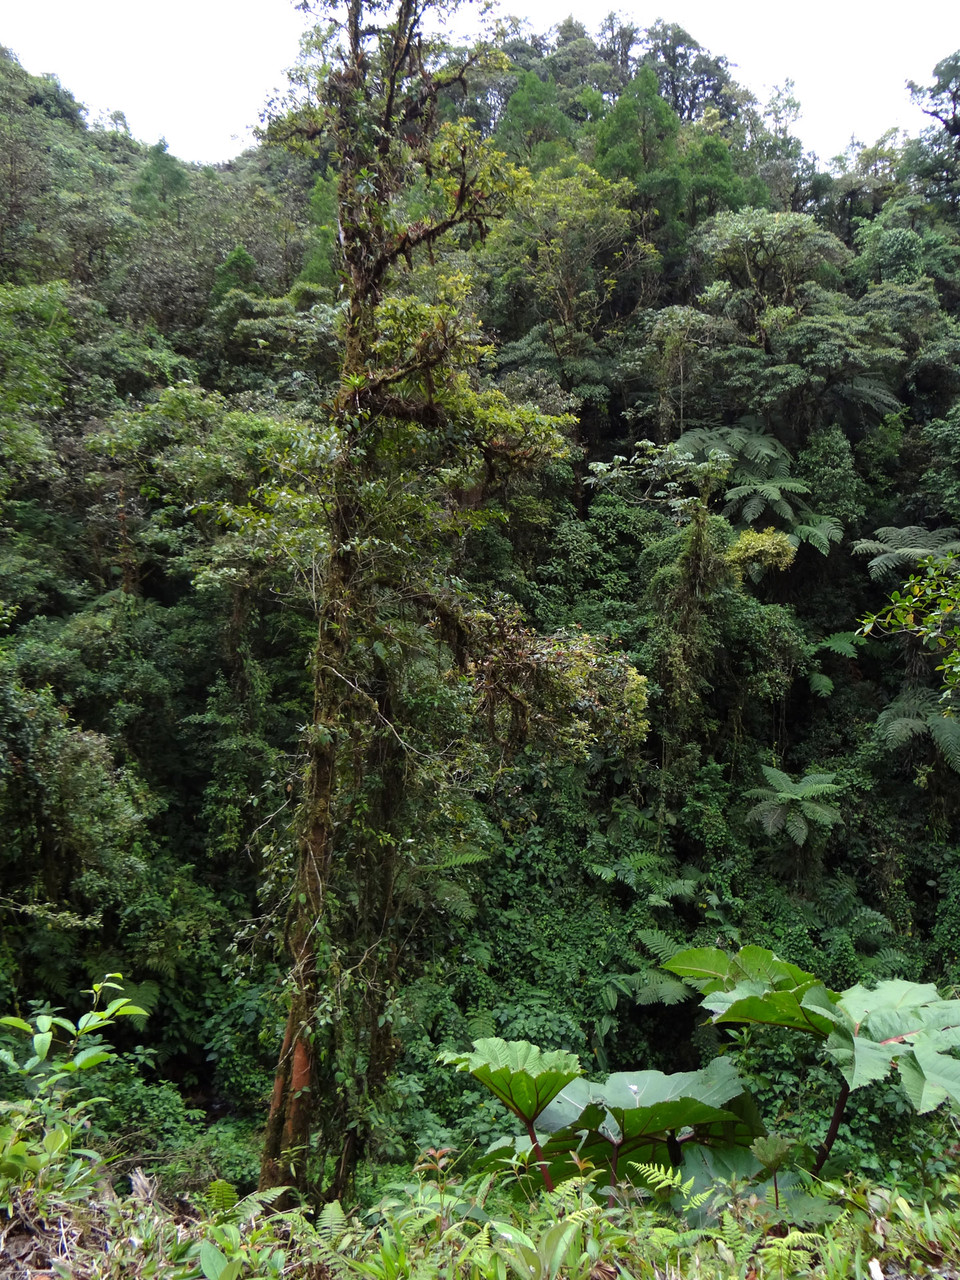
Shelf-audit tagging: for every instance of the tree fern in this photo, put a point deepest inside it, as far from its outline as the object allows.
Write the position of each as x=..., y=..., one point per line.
x=817, y=530
x=455, y=898
x=869, y=392
x=916, y=713
x=820, y=684
x=945, y=731
x=742, y=443
x=654, y=986
x=757, y=496
x=895, y=551
x=481, y=1025
x=790, y=806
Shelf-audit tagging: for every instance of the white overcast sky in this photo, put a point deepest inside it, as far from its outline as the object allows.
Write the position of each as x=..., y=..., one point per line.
x=198, y=72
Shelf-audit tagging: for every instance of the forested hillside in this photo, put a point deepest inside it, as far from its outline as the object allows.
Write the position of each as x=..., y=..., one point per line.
x=449, y=561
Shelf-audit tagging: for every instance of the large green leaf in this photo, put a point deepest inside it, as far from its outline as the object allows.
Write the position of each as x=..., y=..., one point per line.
x=941, y=1074
x=902, y=1023
x=647, y=1115
x=748, y=1002
x=571, y=1105
x=867, y=1032
x=525, y=1079
x=923, y=1094
x=755, y=985
x=706, y=968
x=715, y=1084
x=895, y=1006
x=710, y=969
x=861, y=1060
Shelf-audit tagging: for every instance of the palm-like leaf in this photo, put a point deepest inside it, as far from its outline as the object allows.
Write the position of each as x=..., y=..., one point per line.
x=790, y=805
x=914, y=714
x=895, y=551
x=819, y=531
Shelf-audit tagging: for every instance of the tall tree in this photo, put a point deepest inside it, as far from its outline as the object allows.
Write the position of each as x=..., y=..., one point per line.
x=374, y=505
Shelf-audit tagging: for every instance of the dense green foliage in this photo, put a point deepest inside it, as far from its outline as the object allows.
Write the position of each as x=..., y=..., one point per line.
x=492, y=537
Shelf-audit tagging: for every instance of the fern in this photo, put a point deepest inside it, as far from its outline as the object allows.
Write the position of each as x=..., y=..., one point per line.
x=945, y=731
x=663, y=893
x=145, y=995
x=455, y=898
x=869, y=392
x=660, y=988
x=739, y=1243
x=332, y=1236
x=256, y=1201
x=466, y=856
x=842, y=643
x=796, y=827
x=819, y=531
x=666, y=1182
x=481, y=1025
x=791, y=1251
x=332, y=1222
x=660, y=945
x=914, y=714
x=788, y=805
x=888, y=960
x=222, y=1195
x=895, y=551
x=739, y=443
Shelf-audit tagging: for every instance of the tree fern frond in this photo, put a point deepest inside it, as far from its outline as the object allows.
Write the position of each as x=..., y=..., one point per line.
x=870, y=392
x=481, y=1025
x=896, y=550
x=737, y=442
x=455, y=898
x=257, y=1200
x=825, y=814
x=796, y=827
x=783, y=509
x=819, y=534
x=752, y=508
x=679, y=887
x=842, y=643
x=661, y=988
x=817, y=784
x=911, y=715
x=889, y=960
x=945, y=731
x=777, y=779
x=465, y=856
x=771, y=815
x=661, y=945
x=895, y=731
x=820, y=684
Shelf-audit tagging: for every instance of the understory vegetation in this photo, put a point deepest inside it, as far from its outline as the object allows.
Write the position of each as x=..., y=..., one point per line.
x=479, y=660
